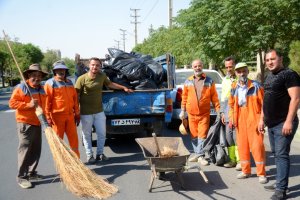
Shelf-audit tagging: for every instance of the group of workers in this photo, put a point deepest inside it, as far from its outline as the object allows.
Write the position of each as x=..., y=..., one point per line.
x=65, y=106
x=246, y=108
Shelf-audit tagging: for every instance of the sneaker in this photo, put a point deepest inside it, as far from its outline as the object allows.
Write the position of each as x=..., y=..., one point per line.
x=229, y=164
x=242, y=175
x=272, y=188
x=91, y=160
x=35, y=176
x=194, y=158
x=24, y=183
x=202, y=161
x=278, y=195
x=101, y=157
x=262, y=179
x=238, y=167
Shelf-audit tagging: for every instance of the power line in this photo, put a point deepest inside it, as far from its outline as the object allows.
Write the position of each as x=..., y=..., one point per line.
x=150, y=11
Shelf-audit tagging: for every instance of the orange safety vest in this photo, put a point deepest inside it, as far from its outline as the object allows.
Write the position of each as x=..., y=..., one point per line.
x=61, y=98
x=20, y=99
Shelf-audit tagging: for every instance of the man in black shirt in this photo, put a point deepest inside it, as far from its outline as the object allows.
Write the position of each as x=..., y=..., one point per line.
x=281, y=102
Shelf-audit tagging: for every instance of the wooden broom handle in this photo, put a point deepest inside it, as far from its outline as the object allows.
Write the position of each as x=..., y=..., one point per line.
x=156, y=144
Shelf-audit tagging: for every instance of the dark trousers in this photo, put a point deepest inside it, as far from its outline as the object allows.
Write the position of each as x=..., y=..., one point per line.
x=29, y=150
x=281, y=146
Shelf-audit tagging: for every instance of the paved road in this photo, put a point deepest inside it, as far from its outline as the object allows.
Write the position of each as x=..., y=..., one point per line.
x=130, y=172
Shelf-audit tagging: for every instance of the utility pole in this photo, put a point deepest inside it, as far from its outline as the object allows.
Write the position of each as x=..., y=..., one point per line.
x=118, y=43
x=123, y=35
x=135, y=16
x=170, y=13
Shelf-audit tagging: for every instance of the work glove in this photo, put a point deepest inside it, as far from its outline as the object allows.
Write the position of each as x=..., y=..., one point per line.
x=183, y=115
x=77, y=120
x=50, y=122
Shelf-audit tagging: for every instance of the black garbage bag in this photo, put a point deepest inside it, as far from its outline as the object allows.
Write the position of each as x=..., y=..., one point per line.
x=122, y=80
x=146, y=84
x=136, y=66
x=220, y=155
x=212, y=145
x=109, y=71
x=212, y=136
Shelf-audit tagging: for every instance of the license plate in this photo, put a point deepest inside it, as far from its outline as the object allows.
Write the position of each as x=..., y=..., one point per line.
x=125, y=122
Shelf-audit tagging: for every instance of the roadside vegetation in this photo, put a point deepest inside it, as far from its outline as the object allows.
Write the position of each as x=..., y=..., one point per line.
x=208, y=29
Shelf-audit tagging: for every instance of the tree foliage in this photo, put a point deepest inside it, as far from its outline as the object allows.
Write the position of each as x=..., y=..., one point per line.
x=294, y=56
x=213, y=30
x=49, y=58
x=172, y=40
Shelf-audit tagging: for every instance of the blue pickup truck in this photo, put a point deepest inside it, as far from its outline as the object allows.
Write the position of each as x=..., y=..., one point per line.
x=143, y=111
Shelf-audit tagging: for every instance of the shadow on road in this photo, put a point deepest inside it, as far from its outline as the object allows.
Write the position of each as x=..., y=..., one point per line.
x=48, y=179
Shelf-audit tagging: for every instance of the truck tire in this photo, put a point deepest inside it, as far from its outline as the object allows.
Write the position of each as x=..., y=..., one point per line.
x=156, y=127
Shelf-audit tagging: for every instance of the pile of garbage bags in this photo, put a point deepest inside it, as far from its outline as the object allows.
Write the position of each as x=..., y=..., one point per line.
x=134, y=70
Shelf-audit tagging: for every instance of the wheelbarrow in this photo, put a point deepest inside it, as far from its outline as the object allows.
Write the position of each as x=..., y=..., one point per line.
x=159, y=164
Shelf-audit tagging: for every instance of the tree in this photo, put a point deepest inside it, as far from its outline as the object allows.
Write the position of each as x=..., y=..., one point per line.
x=49, y=58
x=174, y=41
x=241, y=28
x=71, y=65
x=294, y=56
x=25, y=54
x=3, y=61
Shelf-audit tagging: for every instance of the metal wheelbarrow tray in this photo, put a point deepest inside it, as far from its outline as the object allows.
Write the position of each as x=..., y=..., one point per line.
x=159, y=164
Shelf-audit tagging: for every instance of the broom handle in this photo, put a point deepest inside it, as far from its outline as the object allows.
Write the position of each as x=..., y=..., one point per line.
x=156, y=144
x=14, y=58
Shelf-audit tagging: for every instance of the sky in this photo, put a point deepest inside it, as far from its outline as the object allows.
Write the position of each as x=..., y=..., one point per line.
x=87, y=27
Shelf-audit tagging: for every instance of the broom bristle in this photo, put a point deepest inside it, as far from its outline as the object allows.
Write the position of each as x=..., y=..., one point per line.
x=77, y=177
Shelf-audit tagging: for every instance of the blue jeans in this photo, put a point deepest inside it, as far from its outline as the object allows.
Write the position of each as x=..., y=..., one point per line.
x=197, y=144
x=87, y=122
x=280, y=146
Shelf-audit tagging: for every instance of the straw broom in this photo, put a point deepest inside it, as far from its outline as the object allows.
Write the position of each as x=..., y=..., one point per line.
x=78, y=178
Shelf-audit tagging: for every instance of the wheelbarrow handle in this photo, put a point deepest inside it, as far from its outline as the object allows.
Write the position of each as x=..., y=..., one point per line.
x=156, y=144
x=200, y=171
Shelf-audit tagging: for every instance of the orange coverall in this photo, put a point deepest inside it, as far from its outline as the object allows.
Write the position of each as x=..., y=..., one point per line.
x=199, y=111
x=61, y=107
x=245, y=119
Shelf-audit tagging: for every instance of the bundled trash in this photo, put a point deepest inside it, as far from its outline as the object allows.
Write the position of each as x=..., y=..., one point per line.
x=134, y=70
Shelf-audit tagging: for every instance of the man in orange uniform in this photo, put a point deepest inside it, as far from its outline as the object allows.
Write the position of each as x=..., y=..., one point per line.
x=198, y=91
x=245, y=113
x=62, y=110
x=28, y=126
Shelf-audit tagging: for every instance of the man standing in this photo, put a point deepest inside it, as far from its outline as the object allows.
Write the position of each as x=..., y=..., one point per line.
x=230, y=130
x=25, y=100
x=89, y=88
x=281, y=102
x=245, y=111
x=199, y=91
x=62, y=110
